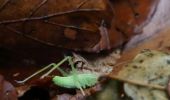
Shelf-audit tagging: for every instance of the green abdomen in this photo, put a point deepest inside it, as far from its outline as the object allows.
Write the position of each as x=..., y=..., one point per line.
x=76, y=81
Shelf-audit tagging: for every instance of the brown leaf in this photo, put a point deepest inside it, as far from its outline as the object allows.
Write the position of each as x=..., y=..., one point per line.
x=91, y=26
x=22, y=89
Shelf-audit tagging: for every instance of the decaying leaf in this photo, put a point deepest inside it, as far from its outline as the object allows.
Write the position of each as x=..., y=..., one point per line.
x=88, y=25
x=151, y=68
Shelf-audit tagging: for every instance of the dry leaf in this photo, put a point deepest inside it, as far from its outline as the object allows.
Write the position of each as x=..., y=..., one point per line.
x=89, y=25
x=150, y=68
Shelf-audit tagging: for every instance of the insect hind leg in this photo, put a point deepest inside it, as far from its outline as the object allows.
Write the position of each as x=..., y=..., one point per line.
x=36, y=73
x=56, y=66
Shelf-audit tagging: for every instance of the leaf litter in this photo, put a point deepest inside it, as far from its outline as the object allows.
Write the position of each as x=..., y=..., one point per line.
x=146, y=77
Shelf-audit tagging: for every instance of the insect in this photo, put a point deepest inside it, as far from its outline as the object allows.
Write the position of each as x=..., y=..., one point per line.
x=72, y=80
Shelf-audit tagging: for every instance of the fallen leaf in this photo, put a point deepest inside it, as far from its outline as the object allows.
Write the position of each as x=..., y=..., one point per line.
x=146, y=76
x=87, y=25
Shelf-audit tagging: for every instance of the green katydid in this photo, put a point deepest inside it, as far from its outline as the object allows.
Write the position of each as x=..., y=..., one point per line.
x=72, y=80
